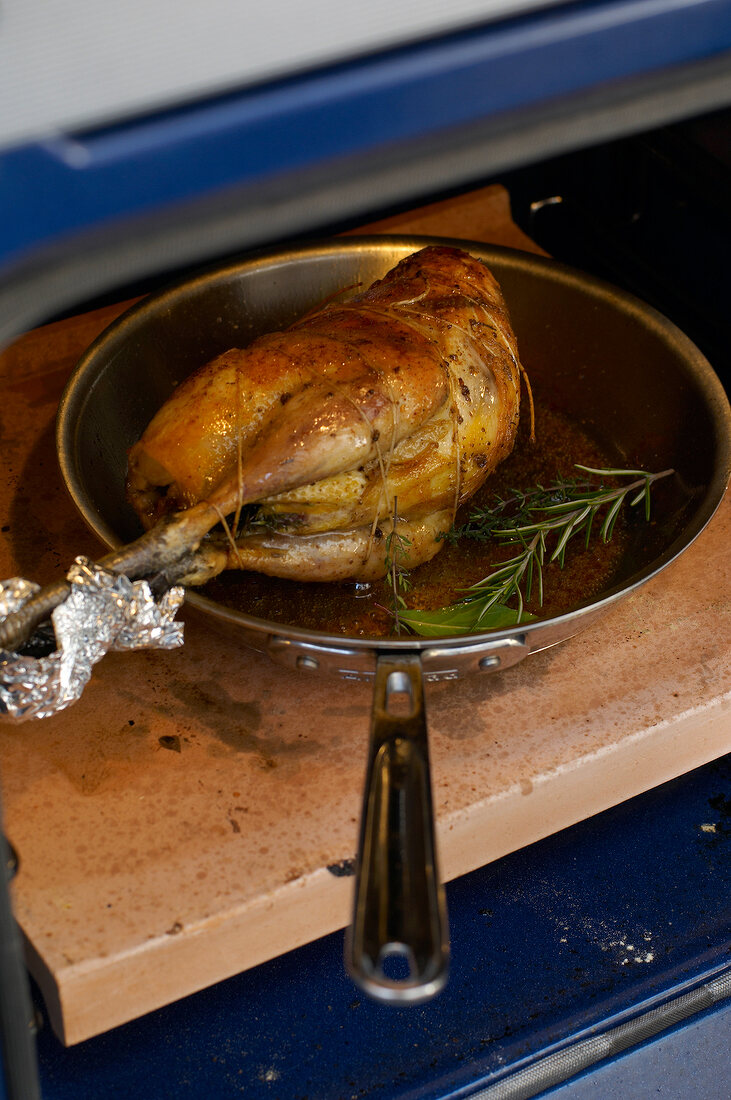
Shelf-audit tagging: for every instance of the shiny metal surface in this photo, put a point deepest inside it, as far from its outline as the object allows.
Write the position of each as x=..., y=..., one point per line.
x=624, y=371
x=636, y=383
x=399, y=909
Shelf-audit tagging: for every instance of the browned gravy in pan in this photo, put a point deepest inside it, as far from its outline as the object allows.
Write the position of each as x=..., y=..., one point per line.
x=352, y=610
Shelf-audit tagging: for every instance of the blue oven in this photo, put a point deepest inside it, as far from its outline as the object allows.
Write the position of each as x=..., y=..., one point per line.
x=137, y=144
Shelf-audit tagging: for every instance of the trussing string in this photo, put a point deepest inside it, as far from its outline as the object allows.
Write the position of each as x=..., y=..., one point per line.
x=315, y=376
x=384, y=467
x=401, y=311
x=499, y=333
x=522, y=373
x=229, y=536
x=383, y=495
x=402, y=314
x=453, y=408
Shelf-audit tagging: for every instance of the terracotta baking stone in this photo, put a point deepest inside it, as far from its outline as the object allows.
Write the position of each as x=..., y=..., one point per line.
x=177, y=825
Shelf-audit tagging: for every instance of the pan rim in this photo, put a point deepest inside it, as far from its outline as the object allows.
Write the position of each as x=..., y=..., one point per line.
x=80, y=388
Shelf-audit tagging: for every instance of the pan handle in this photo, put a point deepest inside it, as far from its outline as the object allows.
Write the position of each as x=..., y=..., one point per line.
x=397, y=949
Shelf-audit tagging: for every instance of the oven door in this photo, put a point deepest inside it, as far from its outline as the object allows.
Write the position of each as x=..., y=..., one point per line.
x=108, y=211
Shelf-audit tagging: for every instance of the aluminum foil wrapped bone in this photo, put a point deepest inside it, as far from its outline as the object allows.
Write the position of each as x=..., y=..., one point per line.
x=105, y=611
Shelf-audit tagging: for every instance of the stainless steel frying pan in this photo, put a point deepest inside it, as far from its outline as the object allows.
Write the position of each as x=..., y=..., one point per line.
x=635, y=382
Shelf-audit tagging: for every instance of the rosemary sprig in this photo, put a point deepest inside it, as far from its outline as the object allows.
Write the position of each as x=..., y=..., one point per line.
x=528, y=520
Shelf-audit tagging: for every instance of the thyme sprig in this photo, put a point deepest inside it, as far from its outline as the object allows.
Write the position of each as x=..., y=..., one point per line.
x=530, y=520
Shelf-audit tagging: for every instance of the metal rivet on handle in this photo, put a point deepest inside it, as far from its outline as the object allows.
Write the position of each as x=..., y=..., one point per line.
x=311, y=664
x=486, y=663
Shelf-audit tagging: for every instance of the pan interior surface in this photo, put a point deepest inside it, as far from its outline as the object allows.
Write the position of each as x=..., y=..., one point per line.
x=631, y=379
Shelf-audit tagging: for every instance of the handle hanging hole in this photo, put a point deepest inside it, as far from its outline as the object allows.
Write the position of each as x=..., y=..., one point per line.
x=396, y=963
x=399, y=695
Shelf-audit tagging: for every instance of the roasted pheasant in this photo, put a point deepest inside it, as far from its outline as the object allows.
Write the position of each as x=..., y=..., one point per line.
x=308, y=445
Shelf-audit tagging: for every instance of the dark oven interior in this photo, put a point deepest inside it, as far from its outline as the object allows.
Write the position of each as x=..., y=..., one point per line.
x=647, y=212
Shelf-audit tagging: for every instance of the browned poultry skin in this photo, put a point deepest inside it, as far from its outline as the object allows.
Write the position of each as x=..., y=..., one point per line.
x=287, y=398
x=409, y=391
